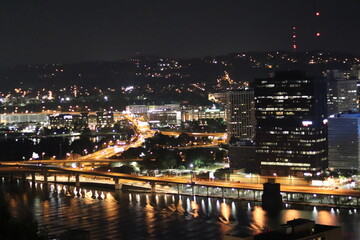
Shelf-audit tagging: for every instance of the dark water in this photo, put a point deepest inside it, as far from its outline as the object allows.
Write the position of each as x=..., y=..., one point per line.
x=132, y=215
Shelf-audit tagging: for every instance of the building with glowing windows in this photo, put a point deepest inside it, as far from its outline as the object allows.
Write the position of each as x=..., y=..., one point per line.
x=291, y=125
x=240, y=110
x=341, y=92
x=196, y=113
x=41, y=118
x=240, y=114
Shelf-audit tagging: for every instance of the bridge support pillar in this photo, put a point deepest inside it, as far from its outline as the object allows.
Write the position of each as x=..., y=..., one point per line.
x=336, y=199
x=118, y=185
x=207, y=191
x=222, y=192
x=152, y=184
x=69, y=177
x=33, y=179
x=271, y=198
x=178, y=188
x=77, y=180
x=55, y=178
x=45, y=174
x=11, y=177
x=238, y=193
x=192, y=189
x=23, y=177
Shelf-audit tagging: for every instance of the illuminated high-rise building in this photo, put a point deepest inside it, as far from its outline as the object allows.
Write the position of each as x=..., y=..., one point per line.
x=291, y=130
x=240, y=109
x=240, y=114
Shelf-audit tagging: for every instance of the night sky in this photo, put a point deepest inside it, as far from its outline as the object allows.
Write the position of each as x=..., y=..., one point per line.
x=51, y=31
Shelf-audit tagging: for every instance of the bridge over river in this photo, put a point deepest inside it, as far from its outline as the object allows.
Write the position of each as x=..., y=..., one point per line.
x=177, y=185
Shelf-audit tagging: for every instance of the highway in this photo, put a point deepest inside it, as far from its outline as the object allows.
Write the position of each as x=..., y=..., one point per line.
x=143, y=131
x=69, y=161
x=177, y=180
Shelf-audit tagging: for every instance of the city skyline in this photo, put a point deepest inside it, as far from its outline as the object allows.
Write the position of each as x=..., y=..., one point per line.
x=135, y=119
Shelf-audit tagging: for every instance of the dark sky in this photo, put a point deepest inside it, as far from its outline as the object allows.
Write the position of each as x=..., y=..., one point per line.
x=41, y=31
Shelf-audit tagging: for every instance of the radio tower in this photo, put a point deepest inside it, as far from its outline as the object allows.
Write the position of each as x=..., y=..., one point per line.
x=294, y=46
x=317, y=15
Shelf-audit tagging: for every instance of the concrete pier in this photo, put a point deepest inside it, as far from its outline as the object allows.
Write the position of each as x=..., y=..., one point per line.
x=77, y=180
x=271, y=198
x=152, y=184
x=118, y=185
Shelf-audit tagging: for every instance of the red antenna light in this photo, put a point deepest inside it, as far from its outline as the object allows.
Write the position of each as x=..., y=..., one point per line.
x=317, y=13
x=318, y=34
x=294, y=38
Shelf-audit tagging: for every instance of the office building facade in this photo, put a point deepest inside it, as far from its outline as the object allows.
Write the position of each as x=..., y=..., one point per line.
x=344, y=142
x=291, y=130
x=240, y=114
x=341, y=92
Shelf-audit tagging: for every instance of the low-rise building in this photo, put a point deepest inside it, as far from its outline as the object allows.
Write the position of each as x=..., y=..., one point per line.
x=162, y=118
x=196, y=113
x=297, y=229
x=145, y=109
x=104, y=119
x=158, y=115
x=76, y=120
x=41, y=118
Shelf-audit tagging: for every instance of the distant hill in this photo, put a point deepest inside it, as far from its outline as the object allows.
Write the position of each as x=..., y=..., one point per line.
x=153, y=69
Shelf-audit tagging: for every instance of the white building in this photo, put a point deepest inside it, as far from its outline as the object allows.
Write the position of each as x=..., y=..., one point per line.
x=158, y=115
x=195, y=113
x=41, y=118
x=144, y=109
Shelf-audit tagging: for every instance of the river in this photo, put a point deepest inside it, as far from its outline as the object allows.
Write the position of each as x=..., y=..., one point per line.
x=135, y=215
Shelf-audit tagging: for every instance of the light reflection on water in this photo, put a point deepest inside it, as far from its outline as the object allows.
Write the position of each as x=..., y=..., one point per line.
x=114, y=215
x=225, y=213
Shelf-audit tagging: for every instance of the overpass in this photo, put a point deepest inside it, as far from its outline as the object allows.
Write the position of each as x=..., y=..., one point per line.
x=251, y=191
x=78, y=160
